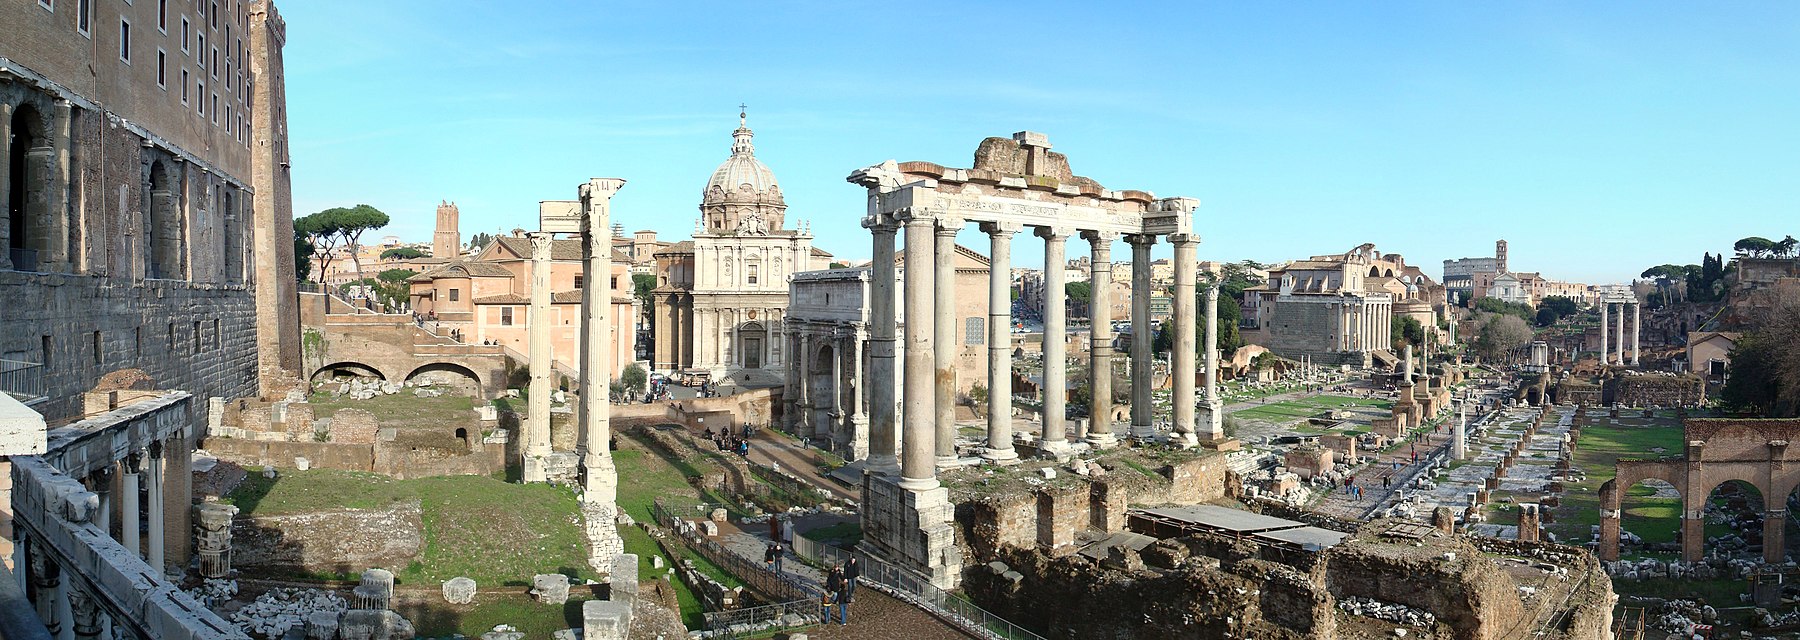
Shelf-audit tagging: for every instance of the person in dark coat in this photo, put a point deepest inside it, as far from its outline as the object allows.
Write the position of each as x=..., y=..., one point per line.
x=852, y=571
x=834, y=593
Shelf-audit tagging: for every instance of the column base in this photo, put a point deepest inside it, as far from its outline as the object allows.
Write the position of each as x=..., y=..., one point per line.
x=946, y=462
x=1059, y=450
x=1003, y=457
x=1184, y=440
x=1101, y=437
x=1143, y=431
x=913, y=529
x=1211, y=425
x=919, y=484
x=883, y=465
x=599, y=479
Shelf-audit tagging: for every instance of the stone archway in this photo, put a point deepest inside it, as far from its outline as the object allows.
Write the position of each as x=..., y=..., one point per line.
x=28, y=177
x=346, y=369
x=162, y=227
x=823, y=390
x=447, y=375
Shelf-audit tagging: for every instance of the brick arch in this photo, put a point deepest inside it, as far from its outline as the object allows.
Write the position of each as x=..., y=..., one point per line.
x=1631, y=472
x=347, y=365
x=452, y=367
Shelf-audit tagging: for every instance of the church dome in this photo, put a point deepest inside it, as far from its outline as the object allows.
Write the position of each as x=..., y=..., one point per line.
x=742, y=195
x=742, y=169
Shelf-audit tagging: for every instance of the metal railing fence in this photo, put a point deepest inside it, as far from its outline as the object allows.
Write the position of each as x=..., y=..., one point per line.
x=797, y=614
x=22, y=380
x=909, y=587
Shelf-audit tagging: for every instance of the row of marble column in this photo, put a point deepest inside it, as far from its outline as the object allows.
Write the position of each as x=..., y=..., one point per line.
x=928, y=384
x=1365, y=326
x=63, y=601
x=1617, y=355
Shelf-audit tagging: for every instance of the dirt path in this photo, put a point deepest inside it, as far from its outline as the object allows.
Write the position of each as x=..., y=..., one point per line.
x=768, y=448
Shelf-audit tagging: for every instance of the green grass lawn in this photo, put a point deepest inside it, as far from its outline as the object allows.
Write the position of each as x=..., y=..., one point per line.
x=402, y=409
x=519, y=610
x=1601, y=445
x=475, y=526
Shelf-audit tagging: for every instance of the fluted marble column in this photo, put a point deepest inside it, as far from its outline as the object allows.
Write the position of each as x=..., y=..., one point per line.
x=538, y=322
x=154, y=550
x=884, y=435
x=1181, y=362
x=1619, y=346
x=1141, y=416
x=600, y=478
x=1637, y=330
x=1605, y=311
x=130, y=518
x=1056, y=361
x=945, y=341
x=918, y=444
x=1214, y=428
x=999, y=382
x=1100, y=350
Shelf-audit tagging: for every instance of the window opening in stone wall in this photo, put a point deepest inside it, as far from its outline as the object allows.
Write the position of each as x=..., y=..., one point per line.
x=84, y=16
x=48, y=5
x=578, y=281
x=455, y=294
x=28, y=179
x=162, y=15
x=213, y=15
x=615, y=283
x=200, y=97
x=163, y=226
x=187, y=34
x=506, y=316
x=99, y=355
x=752, y=273
x=975, y=331
x=212, y=66
x=200, y=50
x=162, y=69
x=184, y=86
x=196, y=336
x=215, y=109
x=137, y=341
x=46, y=348
x=215, y=334
x=124, y=41
x=171, y=337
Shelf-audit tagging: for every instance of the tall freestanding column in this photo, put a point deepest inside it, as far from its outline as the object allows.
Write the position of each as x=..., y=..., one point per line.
x=1141, y=426
x=1214, y=429
x=536, y=443
x=999, y=383
x=1619, y=346
x=918, y=468
x=944, y=339
x=1181, y=362
x=1637, y=329
x=601, y=480
x=1056, y=362
x=1605, y=310
x=1100, y=350
x=1462, y=425
x=884, y=434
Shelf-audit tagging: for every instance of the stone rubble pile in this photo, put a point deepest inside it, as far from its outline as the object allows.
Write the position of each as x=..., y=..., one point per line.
x=1390, y=612
x=1679, y=617
x=1650, y=568
x=280, y=609
x=214, y=591
x=1766, y=618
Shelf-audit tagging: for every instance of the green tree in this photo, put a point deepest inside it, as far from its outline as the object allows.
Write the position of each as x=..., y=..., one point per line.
x=1765, y=369
x=633, y=378
x=641, y=286
x=1405, y=330
x=839, y=265
x=1785, y=248
x=303, y=251
x=1517, y=309
x=1562, y=306
x=321, y=232
x=1546, y=317
x=352, y=223
x=480, y=241
x=1081, y=295
x=402, y=253
x=1755, y=246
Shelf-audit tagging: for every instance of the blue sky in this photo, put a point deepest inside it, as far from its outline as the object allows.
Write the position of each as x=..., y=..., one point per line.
x=1598, y=138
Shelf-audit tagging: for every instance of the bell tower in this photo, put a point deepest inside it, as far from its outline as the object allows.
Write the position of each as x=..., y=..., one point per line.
x=447, y=242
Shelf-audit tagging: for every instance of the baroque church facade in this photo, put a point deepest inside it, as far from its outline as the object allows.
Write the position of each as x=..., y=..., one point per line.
x=721, y=298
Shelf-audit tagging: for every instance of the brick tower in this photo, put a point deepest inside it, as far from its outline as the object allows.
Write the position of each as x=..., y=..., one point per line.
x=447, y=242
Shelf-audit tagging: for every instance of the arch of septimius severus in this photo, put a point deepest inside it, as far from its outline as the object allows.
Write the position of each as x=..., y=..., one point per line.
x=1016, y=183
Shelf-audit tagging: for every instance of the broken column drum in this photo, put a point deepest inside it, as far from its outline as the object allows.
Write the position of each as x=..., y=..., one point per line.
x=374, y=591
x=213, y=539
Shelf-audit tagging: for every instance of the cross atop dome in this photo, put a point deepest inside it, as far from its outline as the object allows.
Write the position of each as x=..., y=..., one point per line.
x=740, y=139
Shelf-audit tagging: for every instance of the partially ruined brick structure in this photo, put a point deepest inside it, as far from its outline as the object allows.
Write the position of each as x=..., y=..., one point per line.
x=1718, y=450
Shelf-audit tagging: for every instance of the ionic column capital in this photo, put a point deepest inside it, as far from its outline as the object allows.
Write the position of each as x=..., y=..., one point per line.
x=880, y=223
x=1184, y=238
x=1140, y=239
x=949, y=225
x=1001, y=229
x=1100, y=238
x=911, y=216
x=1053, y=234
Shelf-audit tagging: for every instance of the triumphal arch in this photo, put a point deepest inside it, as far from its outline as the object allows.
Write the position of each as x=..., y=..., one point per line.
x=1016, y=183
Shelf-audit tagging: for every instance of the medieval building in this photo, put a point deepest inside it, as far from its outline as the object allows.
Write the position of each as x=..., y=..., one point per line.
x=720, y=298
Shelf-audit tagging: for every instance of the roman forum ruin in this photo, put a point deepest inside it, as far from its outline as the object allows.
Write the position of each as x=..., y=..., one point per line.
x=1015, y=183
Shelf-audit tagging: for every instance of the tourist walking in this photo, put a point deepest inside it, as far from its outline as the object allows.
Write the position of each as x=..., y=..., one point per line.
x=770, y=554
x=852, y=571
x=834, y=587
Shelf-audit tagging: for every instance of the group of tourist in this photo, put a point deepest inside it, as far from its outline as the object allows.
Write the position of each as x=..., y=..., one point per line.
x=840, y=590
x=729, y=441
